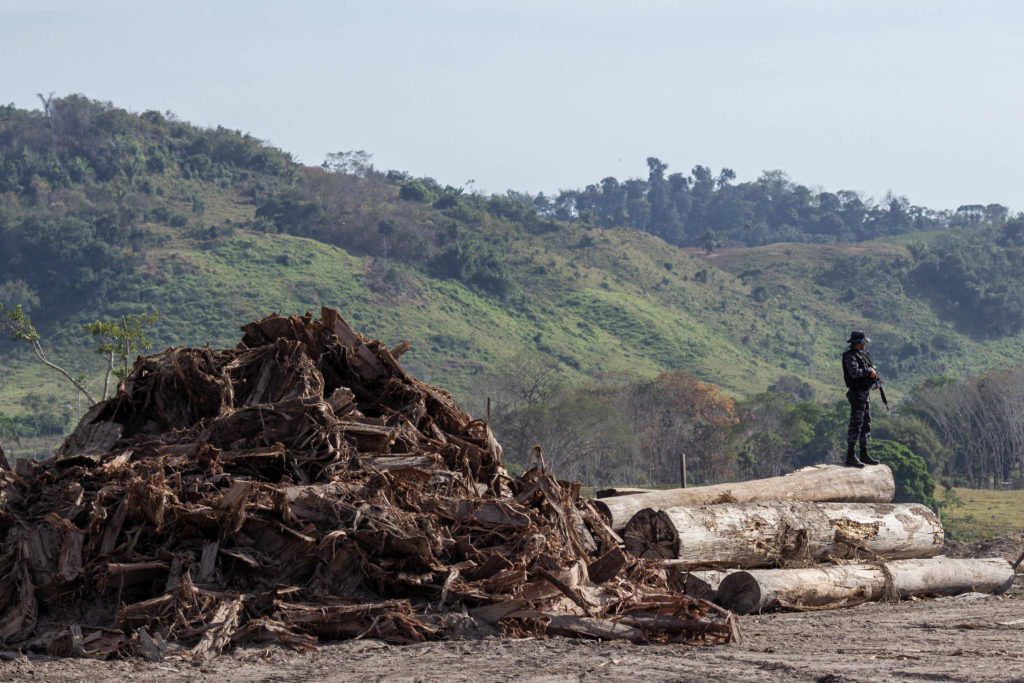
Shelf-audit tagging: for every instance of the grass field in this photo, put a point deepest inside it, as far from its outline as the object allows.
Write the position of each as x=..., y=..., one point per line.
x=983, y=514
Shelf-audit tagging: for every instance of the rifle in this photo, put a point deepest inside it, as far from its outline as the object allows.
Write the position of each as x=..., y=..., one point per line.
x=878, y=381
x=881, y=390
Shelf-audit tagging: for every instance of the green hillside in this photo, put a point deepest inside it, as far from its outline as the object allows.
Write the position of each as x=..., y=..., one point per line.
x=105, y=213
x=204, y=246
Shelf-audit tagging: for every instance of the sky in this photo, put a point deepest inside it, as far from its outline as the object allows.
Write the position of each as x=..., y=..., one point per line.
x=921, y=98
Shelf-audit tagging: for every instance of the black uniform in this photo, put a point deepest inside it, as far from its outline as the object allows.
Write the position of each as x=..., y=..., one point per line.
x=857, y=367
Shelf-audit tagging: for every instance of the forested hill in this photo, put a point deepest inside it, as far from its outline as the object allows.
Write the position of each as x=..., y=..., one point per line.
x=747, y=286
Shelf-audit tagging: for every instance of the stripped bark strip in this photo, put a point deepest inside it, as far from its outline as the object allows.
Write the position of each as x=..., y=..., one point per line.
x=220, y=630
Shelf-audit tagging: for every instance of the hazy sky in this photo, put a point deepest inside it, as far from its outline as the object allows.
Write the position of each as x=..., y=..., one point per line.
x=920, y=97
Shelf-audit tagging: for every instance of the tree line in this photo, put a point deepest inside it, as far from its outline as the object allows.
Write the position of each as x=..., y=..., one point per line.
x=702, y=206
x=629, y=431
x=970, y=430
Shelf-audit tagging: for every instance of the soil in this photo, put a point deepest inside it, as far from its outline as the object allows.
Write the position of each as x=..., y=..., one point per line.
x=969, y=637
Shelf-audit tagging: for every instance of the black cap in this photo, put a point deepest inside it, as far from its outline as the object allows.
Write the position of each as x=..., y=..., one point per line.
x=858, y=337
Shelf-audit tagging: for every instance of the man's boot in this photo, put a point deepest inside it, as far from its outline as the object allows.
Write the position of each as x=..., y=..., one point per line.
x=864, y=457
x=851, y=457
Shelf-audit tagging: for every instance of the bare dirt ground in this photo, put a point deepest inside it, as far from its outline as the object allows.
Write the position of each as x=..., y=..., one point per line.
x=970, y=637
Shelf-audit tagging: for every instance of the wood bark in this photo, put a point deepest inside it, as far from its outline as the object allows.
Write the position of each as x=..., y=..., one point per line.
x=606, y=566
x=777, y=533
x=817, y=483
x=827, y=587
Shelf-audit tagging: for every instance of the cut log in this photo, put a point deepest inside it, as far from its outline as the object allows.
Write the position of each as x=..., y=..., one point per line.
x=759, y=590
x=770, y=534
x=597, y=629
x=266, y=630
x=817, y=483
x=697, y=583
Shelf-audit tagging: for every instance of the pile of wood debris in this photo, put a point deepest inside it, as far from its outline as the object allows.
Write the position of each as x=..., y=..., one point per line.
x=300, y=486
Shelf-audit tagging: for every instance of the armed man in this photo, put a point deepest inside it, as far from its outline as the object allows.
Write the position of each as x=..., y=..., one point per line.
x=860, y=377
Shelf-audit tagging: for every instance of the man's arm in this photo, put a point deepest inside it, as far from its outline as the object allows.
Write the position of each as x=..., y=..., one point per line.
x=855, y=370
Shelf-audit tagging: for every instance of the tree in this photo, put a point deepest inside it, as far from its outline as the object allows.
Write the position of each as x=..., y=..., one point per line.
x=18, y=324
x=481, y=266
x=8, y=429
x=764, y=446
x=123, y=338
x=664, y=214
x=709, y=240
x=914, y=433
x=674, y=414
x=981, y=419
x=584, y=437
x=519, y=390
x=791, y=384
x=45, y=416
x=21, y=291
x=913, y=483
x=417, y=191
x=1013, y=233
x=356, y=162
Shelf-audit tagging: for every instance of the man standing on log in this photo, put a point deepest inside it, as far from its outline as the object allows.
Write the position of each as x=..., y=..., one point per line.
x=860, y=377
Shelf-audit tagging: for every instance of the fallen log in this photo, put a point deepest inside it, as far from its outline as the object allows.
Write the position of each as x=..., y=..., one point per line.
x=817, y=483
x=701, y=584
x=776, y=533
x=829, y=587
x=574, y=626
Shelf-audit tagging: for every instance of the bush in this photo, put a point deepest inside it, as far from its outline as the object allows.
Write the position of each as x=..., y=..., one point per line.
x=8, y=428
x=913, y=483
x=292, y=213
x=478, y=265
x=416, y=191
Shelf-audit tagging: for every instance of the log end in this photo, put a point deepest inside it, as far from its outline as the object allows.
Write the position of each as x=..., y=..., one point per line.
x=740, y=593
x=650, y=534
